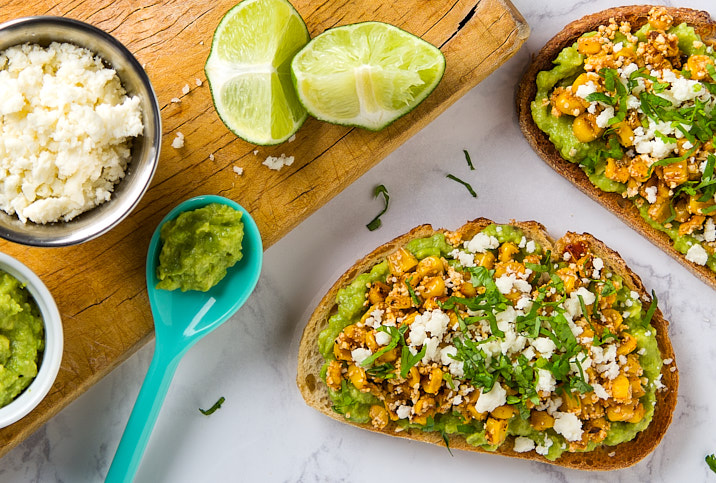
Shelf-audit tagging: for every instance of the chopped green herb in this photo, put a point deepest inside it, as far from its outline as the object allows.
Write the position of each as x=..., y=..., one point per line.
x=467, y=158
x=448, y=379
x=601, y=97
x=447, y=441
x=650, y=311
x=413, y=297
x=711, y=461
x=395, y=337
x=212, y=409
x=383, y=371
x=375, y=222
x=408, y=360
x=465, y=184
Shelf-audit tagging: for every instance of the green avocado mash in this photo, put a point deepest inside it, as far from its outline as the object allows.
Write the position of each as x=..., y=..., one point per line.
x=592, y=156
x=198, y=247
x=21, y=338
x=355, y=405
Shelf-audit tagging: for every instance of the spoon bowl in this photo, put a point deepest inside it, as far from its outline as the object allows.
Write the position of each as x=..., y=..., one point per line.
x=180, y=320
x=187, y=316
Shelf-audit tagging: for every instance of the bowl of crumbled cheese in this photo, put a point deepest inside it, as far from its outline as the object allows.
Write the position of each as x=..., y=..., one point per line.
x=80, y=131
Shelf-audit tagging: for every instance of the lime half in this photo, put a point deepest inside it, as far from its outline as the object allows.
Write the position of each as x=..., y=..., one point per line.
x=365, y=74
x=248, y=70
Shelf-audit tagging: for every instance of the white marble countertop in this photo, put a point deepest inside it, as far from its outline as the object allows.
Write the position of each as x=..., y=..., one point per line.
x=265, y=432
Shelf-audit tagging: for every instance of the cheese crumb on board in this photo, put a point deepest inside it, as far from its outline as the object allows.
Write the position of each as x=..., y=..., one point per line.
x=185, y=90
x=65, y=128
x=239, y=171
x=178, y=141
x=278, y=162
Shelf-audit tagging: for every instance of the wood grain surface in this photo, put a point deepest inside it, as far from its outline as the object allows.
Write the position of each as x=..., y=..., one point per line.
x=99, y=286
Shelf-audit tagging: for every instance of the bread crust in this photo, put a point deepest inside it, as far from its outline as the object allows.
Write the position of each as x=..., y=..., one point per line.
x=527, y=90
x=315, y=393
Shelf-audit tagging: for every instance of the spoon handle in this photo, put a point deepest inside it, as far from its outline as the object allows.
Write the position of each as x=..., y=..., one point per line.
x=144, y=416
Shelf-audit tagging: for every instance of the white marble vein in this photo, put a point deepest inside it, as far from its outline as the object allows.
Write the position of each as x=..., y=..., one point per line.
x=264, y=431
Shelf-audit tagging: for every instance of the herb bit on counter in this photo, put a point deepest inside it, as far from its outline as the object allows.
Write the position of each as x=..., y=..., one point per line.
x=711, y=461
x=375, y=222
x=469, y=161
x=464, y=183
x=212, y=409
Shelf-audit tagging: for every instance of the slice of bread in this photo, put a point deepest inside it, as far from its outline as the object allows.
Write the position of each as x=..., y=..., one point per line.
x=526, y=92
x=315, y=392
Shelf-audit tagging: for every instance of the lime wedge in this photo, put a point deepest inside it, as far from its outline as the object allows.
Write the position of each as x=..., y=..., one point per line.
x=366, y=74
x=248, y=70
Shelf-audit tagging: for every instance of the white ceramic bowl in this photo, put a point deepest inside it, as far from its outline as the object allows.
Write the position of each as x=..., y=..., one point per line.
x=52, y=355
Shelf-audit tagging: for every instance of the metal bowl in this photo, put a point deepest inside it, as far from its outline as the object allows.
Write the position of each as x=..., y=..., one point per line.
x=145, y=148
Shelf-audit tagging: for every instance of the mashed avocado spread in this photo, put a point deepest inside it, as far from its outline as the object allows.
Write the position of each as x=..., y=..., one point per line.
x=21, y=338
x=494, y=347
x=635, y=111
x=198, y=247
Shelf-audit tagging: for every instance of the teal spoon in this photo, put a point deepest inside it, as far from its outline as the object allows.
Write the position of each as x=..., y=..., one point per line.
x=180, y=320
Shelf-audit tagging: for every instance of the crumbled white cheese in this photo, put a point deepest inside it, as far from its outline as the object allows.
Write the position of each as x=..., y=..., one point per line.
x=403, y=411
x=238, y=170
x=211, y=157
x=604, y=117
x=599, y=391
x=523, y=445
x=505, y=282
x=481, y=242
x=374, y=319
x=175, y=100
x=598, y=265
x=650, y=194
x=433, y=321
x=185, y=90
x=292, y=138
x=543, y=449
x=709, y=230
x=545, y=346
x=568, y=425
x=491, y=400
x=586, y=89
x=465, y=259
x=360, y=354
x=198, y=82
x=278, y=162
x=697, y=254
x=545, y=381
x=382, y=338
x=178, y=141
x=531, y=246
x=65, y=126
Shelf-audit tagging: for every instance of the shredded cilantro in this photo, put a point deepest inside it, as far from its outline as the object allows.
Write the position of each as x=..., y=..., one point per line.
x=464, y=183
x=383, y=371
x=408, y=360
x=601, y=97
x=413, y=297
x=711, y=461
x=375, y=222
x=469, y=161
x=212, y=409
x=650, y=311
x=395, y=336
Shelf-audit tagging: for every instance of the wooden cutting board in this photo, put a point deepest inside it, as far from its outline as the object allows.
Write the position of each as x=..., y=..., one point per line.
x=99, y=286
